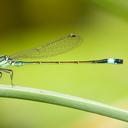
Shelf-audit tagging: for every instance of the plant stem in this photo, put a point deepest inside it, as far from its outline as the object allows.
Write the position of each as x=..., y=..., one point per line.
x=63, y=100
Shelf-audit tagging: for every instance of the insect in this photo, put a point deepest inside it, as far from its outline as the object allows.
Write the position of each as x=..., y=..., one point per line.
x=56, y=47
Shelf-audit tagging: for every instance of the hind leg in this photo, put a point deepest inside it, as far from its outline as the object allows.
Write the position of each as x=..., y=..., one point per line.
x=8, y=71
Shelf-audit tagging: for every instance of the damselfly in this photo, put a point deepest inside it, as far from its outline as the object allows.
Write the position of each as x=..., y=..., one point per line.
x=56, y=47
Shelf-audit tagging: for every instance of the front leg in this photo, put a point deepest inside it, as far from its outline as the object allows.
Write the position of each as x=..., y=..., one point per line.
x=9, y=71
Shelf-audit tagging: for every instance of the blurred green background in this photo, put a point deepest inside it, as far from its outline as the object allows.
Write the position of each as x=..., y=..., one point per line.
x=103, y=27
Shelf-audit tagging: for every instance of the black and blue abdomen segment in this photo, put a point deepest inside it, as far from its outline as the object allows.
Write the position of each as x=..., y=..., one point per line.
x=109, y=61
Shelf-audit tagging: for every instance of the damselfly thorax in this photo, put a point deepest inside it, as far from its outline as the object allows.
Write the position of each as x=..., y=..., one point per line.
x=56, y=47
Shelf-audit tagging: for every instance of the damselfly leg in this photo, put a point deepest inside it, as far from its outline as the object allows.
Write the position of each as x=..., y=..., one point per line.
x=1, y=75
x=8, y=71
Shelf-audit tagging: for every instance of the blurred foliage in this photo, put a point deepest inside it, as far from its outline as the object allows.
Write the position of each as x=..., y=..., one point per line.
x=103, y=26
x=32, y=14
x=119, y=8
